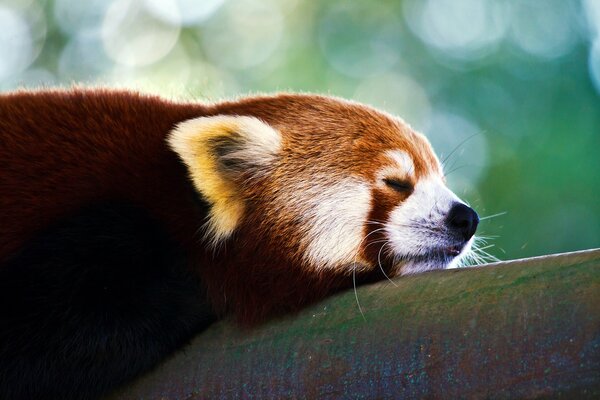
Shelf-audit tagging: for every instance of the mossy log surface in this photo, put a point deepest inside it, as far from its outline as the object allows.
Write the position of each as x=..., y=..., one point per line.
x=518, y=329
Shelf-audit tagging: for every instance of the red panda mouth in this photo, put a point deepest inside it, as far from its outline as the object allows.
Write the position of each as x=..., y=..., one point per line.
x=441, y=256
x=453, y=251
x=447, y=252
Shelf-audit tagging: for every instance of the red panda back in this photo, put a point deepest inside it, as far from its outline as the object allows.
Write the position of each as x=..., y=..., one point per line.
x=60, y=150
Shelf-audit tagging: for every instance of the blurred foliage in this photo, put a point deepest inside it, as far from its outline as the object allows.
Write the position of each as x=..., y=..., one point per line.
x=507, y=91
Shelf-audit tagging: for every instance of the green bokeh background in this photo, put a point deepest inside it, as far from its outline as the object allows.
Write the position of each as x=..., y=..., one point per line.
x=507, y=91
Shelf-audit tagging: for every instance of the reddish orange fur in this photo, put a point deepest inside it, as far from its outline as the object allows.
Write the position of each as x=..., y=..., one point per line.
x=62, y=149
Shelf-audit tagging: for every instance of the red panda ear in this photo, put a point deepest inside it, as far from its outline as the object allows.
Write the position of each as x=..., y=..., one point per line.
x=220, y=152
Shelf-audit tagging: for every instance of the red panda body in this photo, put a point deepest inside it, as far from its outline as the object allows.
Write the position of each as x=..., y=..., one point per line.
x=128, y=222
x=61, y=151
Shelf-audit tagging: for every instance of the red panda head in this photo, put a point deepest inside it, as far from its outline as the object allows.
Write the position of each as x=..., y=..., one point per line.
x=330, y=184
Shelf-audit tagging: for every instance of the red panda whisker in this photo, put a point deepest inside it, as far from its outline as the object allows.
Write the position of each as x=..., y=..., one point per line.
x=354, y=270
x=456, y=169
x=477, y=255
x=493, y=215
x=369, y=243
x=484, y=255
x=370, y=233
x=356, y=292
x=376, y=241
x=481, y=249
x=376, y=222
x=380, y=266
x=451, y=168
x=458, y=146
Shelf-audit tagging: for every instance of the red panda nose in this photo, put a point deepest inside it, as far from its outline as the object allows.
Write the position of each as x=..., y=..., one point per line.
x=463, y=220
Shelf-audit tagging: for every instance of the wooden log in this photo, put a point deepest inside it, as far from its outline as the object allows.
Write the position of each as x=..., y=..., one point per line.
x=518, y=329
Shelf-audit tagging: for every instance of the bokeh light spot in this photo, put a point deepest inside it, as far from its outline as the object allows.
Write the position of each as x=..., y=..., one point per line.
x=83, y=58
x=592, y=14
x=132, y=37
x=398, y=95
x=184, y=12
x=371, y=47
x=594, y=64
x=244, y=34
x=459, y=29
x=168, y=75
x=210, y=83
x=15, y=43
x=531, y=34
x=76, y=16
x=22, y=36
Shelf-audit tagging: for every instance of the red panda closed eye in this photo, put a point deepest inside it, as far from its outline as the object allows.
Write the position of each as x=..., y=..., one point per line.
x=140, y=220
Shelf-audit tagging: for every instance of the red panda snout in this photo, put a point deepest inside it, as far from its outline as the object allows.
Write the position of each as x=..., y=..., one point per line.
x=432, y=229
x=462, y=220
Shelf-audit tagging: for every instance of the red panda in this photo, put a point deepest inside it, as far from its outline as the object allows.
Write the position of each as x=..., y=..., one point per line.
x=129, y=222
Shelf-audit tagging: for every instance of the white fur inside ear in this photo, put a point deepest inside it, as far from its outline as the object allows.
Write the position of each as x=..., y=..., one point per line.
x=257, y=144
x=261, y=144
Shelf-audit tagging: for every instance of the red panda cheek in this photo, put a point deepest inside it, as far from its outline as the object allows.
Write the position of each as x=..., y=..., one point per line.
x=383, y=203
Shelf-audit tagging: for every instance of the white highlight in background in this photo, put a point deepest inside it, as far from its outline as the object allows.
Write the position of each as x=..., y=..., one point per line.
x=399, y=95
x=594, y=64
x=245, y=33
x=371, y=47
x=132, y=37
x=73, y=17
x=22, y=36
x=539, y=28
x=592, y=13
x=459, y=29
x=184, y=12
x=83, y=59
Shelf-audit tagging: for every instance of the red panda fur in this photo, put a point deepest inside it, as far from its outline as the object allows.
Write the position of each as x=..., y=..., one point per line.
x=62, y=149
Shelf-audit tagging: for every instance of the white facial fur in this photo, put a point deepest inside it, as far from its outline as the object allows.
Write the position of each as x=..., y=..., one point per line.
x=334, y=217
x=417, y=231
x=403, y=161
